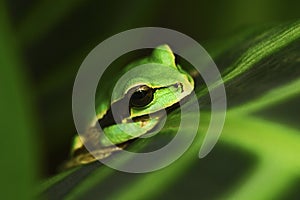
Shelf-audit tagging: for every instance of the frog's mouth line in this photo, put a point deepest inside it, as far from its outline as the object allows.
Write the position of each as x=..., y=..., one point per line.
x=109, y=120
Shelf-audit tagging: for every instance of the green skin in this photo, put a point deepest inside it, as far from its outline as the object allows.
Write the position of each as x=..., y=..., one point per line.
x=171, y=84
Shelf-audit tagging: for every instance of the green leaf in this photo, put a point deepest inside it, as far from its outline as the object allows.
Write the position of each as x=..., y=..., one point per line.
x=18, y=142
x=260, y=70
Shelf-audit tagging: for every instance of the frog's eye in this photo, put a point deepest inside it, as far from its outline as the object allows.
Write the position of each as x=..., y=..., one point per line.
x=141, y=97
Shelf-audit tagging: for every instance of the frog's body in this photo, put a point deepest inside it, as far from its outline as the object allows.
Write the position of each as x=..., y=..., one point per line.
x=149, y=90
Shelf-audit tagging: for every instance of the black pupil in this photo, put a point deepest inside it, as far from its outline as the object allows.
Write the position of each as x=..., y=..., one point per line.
x=141, y=97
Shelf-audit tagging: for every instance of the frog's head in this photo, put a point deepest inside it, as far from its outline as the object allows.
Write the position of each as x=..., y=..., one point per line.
x=148, y=87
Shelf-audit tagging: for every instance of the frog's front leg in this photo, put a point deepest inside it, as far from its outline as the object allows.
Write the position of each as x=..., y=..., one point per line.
x=81, y=155
x=88, y=157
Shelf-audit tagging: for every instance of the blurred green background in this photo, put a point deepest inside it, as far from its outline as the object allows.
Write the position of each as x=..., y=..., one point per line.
x=42, y=44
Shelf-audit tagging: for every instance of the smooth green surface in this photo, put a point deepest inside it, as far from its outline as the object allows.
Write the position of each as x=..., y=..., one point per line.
x=18, y=163
x=276, y=39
